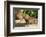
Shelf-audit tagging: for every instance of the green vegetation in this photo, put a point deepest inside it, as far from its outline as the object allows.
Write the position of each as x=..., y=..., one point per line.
x=33, y=12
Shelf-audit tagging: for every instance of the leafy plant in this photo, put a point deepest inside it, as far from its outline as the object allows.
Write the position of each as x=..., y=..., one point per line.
x=33, y=13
